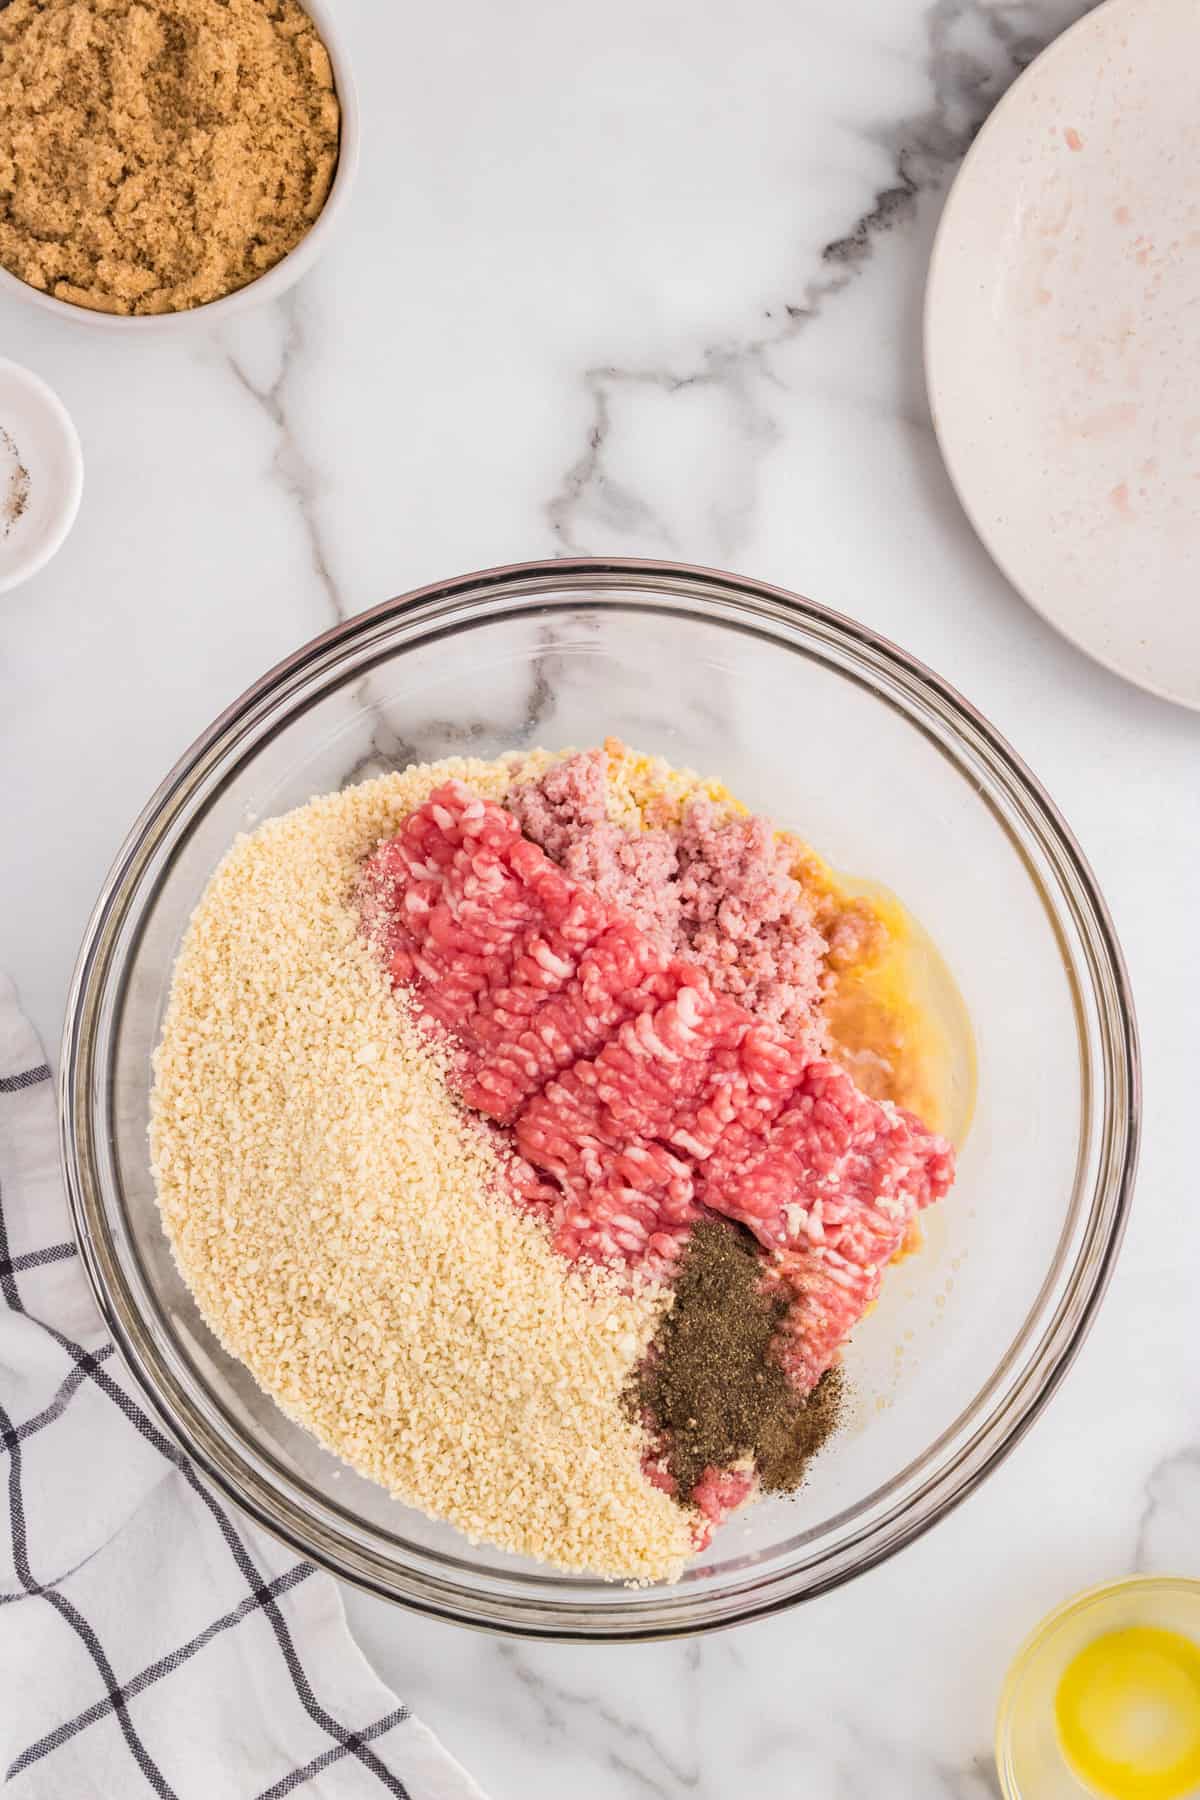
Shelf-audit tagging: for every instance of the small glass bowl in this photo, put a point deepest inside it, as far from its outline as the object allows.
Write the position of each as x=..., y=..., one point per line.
x=873, y=759
x=1029, y=1759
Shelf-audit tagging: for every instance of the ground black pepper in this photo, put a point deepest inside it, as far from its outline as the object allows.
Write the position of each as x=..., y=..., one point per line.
x=710, y=1383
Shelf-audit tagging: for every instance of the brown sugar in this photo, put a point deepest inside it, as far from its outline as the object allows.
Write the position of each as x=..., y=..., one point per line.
x=158, y=154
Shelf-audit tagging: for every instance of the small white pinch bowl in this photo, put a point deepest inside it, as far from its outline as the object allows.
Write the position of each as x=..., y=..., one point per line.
x=47, y=445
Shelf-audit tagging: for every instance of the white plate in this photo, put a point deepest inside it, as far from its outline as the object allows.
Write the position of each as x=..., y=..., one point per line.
x=1062, y=339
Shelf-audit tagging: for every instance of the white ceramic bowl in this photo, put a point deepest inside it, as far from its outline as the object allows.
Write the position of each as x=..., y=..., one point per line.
x=46, y=441
x=287, y=271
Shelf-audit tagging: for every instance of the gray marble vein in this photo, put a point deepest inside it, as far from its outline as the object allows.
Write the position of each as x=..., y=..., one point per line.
x=726, y=372
x=389, y=739
x=865, y=1762
x=975, y=49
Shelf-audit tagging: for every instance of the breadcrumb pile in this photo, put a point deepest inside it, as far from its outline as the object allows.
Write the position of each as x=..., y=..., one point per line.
x=342, y=1224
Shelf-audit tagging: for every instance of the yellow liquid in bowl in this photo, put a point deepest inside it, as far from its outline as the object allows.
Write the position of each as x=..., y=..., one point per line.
x=1128, y=1714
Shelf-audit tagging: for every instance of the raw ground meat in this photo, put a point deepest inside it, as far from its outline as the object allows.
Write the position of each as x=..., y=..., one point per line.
x=831, y=1189
x=717, y=888
x=527, y=1033
x=460, y=900
x=528, y=969
x=718, y=1493
x=626, y=1132
x=647, y=1094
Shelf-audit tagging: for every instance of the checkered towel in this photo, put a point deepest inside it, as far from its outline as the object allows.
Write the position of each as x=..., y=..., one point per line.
x=150, y=1640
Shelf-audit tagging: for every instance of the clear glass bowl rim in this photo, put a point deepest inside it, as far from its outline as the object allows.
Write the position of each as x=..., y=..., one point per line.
x=564, y=586
x=1045, y=1629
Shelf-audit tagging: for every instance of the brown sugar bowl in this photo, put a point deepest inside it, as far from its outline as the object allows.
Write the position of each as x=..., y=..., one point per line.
x=282, y=274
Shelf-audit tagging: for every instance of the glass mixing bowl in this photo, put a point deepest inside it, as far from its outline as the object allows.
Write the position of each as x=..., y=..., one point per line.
x=891, y=775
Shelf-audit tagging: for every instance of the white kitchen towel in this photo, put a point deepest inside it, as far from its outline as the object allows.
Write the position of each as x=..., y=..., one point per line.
x=151, y=1640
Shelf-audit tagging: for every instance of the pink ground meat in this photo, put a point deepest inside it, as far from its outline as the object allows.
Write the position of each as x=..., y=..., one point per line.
x=642, y=1095
x=716, y=889
x=528, y=1034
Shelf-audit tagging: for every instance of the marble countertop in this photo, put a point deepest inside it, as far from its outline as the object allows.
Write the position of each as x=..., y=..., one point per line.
x=642, y=279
